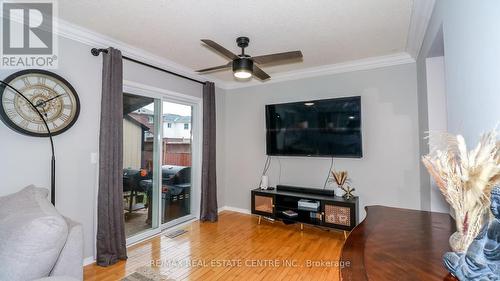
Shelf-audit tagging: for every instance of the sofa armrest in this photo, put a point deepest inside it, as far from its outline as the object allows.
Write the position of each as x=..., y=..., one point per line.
x=70, y=261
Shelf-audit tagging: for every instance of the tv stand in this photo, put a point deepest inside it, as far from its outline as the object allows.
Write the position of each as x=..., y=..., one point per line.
x=332, y=211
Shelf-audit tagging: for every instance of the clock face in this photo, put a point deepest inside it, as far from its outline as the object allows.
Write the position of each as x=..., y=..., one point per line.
x=53, y=96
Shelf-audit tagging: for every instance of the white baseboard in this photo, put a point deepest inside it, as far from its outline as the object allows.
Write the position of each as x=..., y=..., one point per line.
x=88, y=260
x=234, y=209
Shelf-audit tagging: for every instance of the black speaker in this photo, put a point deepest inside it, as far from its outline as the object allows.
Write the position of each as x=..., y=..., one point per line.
x=307, y=190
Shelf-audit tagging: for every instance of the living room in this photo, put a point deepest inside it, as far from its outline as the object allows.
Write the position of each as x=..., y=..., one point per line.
x=223, y=140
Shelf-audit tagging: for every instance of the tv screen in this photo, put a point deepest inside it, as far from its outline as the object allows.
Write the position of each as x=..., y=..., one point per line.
x=328, y=128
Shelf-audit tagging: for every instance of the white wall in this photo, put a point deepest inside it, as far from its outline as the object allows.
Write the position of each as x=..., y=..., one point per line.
x=436, y=103
x=26, y=160
x=387, y=174
x=471, y=44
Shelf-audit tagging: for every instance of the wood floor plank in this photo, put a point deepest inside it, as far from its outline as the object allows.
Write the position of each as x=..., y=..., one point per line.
x=234, y=248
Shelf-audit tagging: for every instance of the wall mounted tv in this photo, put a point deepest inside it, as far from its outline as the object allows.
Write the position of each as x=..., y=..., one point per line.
x=322, y=128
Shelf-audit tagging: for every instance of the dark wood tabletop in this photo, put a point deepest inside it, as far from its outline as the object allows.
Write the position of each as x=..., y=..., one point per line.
x=398, y=244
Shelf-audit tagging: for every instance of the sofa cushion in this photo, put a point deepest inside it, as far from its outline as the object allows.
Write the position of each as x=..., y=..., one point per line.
x=32, y=234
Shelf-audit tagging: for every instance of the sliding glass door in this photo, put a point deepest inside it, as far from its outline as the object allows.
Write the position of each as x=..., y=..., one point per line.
x=140, y=122
x=161, y=154
x=176, y=161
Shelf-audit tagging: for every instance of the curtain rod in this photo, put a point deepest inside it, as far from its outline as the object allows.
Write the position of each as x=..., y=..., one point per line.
x=96, y=52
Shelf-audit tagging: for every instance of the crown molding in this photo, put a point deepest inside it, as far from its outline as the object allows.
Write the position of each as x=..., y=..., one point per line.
x=420, y=17
x=98, y=40
x=349, y=66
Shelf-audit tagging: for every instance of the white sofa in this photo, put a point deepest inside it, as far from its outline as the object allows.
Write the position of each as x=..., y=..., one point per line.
x=36, y=242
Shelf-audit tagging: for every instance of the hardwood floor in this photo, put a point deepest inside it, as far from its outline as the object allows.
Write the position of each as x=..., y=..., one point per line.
x=235, y=248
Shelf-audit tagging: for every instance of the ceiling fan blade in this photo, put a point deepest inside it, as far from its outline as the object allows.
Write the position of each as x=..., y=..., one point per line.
x=259, y=73
x=277, y=57
x=223, y=51
x=220, y=67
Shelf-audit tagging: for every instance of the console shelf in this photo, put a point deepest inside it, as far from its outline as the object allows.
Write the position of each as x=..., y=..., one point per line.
x=333, y=211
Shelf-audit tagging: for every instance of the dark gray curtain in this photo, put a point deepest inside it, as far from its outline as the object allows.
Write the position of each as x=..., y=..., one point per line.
x=111, y=245
x=208, y=175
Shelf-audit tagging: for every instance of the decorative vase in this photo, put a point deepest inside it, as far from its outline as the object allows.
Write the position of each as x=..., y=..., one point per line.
x=465, y=234
x=338, y=191
x=456, y=243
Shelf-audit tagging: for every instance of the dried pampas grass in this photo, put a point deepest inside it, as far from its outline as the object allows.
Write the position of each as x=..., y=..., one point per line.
x=465, y=178
x=342, y=180
x=340, y=177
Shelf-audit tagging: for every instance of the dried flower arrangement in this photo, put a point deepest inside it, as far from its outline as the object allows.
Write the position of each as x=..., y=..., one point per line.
x=341, y=178
x=465, y=178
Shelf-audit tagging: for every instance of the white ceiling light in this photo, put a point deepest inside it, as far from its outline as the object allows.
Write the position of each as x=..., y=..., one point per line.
x=242, y=74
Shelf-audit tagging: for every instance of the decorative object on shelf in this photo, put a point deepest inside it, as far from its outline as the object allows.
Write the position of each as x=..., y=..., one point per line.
x=341, y=178
x=290, y=214
x=481, y=261
x=264, y=183
x=308, y=205
x=41, y=104
x=465, y=178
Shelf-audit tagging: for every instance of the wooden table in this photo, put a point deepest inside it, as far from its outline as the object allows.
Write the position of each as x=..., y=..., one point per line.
x=398, y=244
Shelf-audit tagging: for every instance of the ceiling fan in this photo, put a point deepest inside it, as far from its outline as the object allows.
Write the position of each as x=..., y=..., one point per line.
x=244, y=66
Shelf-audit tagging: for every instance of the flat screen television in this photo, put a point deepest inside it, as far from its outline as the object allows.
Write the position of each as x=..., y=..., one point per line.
x=322, y=128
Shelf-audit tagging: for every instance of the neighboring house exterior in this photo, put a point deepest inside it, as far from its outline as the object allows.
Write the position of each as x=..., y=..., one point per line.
x=133, y=143
x=145, y=117
x=176, y=126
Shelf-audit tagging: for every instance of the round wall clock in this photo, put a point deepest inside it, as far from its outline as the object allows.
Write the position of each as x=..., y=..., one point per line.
x=55, y=98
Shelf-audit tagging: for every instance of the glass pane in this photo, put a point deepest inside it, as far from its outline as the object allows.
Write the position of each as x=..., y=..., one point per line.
x=139, y=176
x=176, y=161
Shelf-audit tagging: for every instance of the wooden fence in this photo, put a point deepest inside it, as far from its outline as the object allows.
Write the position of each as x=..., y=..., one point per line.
x=178, y=159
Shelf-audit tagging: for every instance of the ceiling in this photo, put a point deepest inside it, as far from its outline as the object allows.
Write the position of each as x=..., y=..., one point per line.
x=326, y=31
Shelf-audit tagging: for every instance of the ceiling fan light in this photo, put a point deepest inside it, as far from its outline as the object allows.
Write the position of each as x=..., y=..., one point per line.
x=242, y=68
x=242, y=74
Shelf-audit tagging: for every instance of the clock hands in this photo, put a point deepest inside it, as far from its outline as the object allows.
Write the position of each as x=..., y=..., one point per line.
x=44, y=112
x=41, y=103
x=46, y=101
